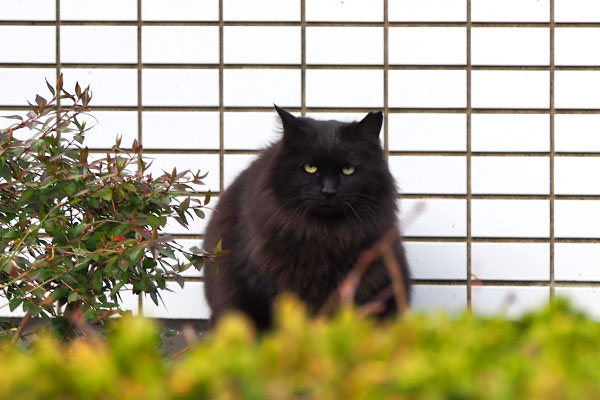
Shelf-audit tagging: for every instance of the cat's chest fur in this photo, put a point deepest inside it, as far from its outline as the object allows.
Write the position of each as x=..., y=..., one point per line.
x=308, y=260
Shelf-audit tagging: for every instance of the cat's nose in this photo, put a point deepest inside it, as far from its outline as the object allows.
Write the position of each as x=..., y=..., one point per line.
x=328, y=192
x=329, y=188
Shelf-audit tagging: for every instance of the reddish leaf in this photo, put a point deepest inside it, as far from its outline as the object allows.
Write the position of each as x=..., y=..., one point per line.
x=13, y=117
x=198, y=176
x=145, y=233
x=40, y=100
x=59, y=82
x=50, y=88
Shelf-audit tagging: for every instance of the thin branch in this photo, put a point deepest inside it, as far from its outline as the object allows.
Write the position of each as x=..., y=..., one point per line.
x=179, y=353
x=395, y=272
x=346, y=290
x=22, y=326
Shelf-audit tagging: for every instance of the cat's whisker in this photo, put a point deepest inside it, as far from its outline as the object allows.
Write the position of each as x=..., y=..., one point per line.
x=367, y=208
x=366, y=196
x=355, y=212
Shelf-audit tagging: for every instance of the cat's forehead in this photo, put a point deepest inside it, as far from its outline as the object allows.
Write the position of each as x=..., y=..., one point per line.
x=324, y=125
x=325, y=133
x=329, y=141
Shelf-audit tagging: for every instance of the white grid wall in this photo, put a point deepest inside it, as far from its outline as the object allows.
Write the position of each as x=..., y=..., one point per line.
x=492, y=117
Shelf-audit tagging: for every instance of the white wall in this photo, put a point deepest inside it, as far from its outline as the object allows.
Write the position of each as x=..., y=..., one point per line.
x=493, y=116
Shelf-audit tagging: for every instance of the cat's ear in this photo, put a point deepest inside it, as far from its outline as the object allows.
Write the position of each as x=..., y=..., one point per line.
x=371, y=124
x=290, y=124
x=287, y=119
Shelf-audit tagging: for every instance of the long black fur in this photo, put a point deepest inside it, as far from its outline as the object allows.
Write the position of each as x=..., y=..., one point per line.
x=284, y=233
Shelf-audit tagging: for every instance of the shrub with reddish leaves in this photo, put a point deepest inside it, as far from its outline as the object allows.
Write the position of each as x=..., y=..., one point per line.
x=76, y=231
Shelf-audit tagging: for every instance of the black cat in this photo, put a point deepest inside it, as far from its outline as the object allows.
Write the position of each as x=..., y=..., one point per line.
x=300, y=215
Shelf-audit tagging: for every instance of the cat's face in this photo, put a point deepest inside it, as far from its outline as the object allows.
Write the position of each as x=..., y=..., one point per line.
x=331, y=169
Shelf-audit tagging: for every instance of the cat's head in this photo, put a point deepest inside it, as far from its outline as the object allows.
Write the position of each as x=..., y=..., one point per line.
x=332, y=169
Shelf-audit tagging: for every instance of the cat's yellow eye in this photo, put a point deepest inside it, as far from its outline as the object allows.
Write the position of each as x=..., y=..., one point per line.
x=349, y=170
x=311, y=169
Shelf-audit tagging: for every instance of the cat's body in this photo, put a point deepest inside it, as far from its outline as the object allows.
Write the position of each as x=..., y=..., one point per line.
x=299, y=217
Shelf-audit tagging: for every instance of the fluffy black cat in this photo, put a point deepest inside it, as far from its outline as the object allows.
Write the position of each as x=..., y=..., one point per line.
x=297, y=219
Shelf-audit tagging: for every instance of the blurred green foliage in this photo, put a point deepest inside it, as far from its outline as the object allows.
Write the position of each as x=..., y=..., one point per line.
x=550, y=354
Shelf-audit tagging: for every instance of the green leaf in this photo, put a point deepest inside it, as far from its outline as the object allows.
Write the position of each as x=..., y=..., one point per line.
x=152, y=221
x=73, y=296
x=28, y=306
x=70, y=189
x=182, y=220
x=185, y=204
x=105, y=193
x=197, y=262
x=78, y=229
x=68, y=278
x=60, y=292
x=199, y=213
x=15, y=303
x=196, y=250
x=135, y=255
x=179, y=279
x=123, y=264
x=117, y=288
x=97, y=284
x=108, y=304
x=154, y=298
x=48, y=225
x=219, y=247
x=170, y=332
x=27, y=194
x=51, y=140
x=6, y=234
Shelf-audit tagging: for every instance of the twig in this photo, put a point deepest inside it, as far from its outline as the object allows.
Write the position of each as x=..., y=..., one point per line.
x=376, y=303
x=344, y=293
x=179, y=353
x=22, y=325
x=396, y=275
x=346, y=289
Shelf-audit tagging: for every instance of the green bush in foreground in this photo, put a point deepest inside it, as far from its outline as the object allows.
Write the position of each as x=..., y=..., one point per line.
x=551, y=354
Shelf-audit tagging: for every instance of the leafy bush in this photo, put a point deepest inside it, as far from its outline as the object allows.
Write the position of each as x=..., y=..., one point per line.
x=550, y=354
x=77, y=230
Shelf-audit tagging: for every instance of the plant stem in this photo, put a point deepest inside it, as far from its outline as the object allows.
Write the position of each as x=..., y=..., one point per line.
x=22, y=325
x=179, y=353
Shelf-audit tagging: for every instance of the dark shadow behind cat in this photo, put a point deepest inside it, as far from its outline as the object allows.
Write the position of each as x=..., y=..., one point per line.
x=297, y=219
